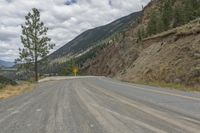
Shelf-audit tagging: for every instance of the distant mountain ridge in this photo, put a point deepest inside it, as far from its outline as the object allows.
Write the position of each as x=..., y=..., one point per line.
x=91, y=37
x=6, y=64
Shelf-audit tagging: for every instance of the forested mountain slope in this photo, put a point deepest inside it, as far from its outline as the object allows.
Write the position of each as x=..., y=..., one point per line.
x=94, y=36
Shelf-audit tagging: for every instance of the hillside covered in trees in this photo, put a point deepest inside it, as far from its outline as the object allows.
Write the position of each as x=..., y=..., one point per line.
x=168, y=14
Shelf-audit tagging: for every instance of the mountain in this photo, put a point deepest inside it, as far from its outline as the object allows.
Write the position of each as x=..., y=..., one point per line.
x=91, y=37
x=6, y=64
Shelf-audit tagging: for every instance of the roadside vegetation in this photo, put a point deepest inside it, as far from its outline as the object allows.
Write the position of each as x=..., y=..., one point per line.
x=168, y=15
x=8, y=91
x=10, y=88
x=5, y=81
x=173, y=86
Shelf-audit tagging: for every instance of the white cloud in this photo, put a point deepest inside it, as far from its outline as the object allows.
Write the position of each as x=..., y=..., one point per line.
x=65, y=19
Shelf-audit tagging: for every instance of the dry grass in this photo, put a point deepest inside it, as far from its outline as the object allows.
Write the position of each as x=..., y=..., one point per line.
x=173, y=86
x=10, y=91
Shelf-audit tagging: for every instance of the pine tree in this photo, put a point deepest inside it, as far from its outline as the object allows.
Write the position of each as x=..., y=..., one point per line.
x=167, y=14
x=151, y=27
x=179, y=16
x=159, y=24
x=195, y=4
x=36, y=43
x=141, y=33
x=188, y=10
x=192, y=9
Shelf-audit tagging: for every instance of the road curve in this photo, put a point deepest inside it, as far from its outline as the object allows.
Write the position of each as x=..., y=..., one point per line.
x=100, y=105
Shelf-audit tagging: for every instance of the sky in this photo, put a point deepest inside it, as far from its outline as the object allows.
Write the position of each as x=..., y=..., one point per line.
x=65, y=19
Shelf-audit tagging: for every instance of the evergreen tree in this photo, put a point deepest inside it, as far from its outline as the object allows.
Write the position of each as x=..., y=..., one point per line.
x=36, y=43
x=167, y=13
x=141, y=33
x=195, y=4
x=159, y=24
x=188, y=10
x=151, y=27
x=179, y=16
x=192, y=9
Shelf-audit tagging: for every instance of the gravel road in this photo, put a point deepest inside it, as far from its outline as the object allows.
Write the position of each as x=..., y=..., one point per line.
x=100, y=105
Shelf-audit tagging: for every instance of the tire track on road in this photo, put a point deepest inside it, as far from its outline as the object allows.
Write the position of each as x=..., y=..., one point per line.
x=111, y=120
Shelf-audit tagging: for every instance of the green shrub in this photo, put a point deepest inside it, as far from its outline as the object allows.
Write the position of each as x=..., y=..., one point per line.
x=1, y=86
x=196, y=71
x=6, y=81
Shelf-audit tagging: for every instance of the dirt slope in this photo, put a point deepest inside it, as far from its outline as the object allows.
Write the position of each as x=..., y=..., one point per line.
x=173, y=59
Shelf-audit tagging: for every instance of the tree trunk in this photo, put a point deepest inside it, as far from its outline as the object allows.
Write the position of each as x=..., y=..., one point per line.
x=36, y=69
x=36, y=64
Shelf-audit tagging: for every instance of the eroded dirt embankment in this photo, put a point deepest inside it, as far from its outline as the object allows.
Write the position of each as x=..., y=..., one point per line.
x=169, y=57
x=172, y=57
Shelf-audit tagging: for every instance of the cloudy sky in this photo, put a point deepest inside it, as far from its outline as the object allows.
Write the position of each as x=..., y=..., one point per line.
x=65, y=18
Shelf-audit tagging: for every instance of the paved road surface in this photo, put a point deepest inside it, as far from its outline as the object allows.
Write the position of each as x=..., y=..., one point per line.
x=100, y=105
